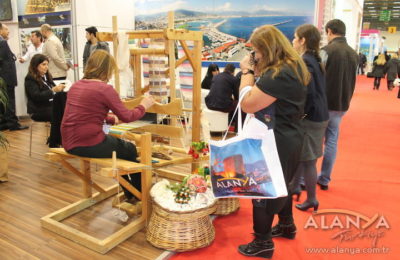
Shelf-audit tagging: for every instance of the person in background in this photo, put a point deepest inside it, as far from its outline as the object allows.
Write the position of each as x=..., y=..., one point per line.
x=379, y=70
x=387, y=56
x=224, y=92
x=277, y=99
x=35, y=48
x=40, y=89
x=340, y=62
x=92, y=44
x=392, y=70
x=362, y=61
x=54, y=49
x=306, y=42
x=212, y=71
x=8, y=72
x=89, y=101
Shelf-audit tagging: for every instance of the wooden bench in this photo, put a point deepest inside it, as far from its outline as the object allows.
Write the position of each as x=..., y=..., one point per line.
x=53, y=220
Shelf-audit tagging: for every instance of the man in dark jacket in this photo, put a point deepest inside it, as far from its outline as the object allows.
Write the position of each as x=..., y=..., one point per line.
x=224, y=91
x=92, y=44
x=341, y=67
x=8, y=118
x=362, y=61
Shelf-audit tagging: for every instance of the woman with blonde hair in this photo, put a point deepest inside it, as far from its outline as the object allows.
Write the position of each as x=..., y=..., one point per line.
x=277, y=99
x=379, y=70
x=89, y=101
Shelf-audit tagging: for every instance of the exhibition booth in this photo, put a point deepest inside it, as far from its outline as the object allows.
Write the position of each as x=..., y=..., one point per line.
x=163, y=49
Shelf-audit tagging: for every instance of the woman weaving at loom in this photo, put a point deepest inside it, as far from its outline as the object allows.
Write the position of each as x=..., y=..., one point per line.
x=89, y=101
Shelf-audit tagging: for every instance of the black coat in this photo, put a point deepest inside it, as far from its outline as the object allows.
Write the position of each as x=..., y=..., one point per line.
x=393, y=69
x=7, y=64
x=39, y=99
x=224, y=90
x=379, y=71
x=206, y=83
x=341, y=71
x=316, y=108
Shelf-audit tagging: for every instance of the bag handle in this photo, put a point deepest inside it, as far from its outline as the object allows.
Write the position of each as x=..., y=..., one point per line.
x=242, y=94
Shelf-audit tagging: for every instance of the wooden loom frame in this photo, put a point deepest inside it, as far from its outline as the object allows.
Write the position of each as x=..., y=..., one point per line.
x=170, y=35
x=53, y=220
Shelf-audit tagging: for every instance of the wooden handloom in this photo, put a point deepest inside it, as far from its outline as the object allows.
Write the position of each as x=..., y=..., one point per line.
x=174, y=108
x=142, y=141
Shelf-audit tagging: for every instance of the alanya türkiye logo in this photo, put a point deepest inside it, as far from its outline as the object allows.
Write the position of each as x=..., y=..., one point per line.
x=349, y=225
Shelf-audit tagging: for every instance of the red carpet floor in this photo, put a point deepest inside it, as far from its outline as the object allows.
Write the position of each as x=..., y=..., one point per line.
x=366, y=180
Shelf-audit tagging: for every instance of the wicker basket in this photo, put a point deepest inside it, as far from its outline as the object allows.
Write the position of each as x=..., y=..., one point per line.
x=180, y=231
x=227, y=206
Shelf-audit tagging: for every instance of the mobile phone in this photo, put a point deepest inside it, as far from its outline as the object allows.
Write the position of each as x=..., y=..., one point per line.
x=253, y=60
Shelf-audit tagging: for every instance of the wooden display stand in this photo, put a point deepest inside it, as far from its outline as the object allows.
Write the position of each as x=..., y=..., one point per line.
x=111, y=168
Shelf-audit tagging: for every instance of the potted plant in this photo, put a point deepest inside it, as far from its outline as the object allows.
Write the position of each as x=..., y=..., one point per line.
x=3, y=139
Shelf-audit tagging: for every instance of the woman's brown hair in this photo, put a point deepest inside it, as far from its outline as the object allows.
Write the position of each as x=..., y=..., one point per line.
x=36, y=60
x=312, y=39
x=100, y=65
x=276, y=52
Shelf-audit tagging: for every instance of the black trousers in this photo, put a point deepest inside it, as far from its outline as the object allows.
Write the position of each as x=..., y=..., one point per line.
x=264, y=216
x=125, y=150
x=8, y=116
x=390, y=84
x=360, y=69
x=377, y=82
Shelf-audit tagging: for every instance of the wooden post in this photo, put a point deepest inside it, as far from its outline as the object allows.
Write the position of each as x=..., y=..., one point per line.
x=196, y=105
x=171, y=57
x=137, y=67
x=115, y=49
x=145, y=158
x=85, y=169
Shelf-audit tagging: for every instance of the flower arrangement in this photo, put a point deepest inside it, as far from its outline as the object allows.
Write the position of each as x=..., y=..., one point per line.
x=198, y=148
x=190, y=185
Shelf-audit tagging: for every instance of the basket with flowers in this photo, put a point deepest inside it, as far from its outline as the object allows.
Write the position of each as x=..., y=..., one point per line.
x=180, y=219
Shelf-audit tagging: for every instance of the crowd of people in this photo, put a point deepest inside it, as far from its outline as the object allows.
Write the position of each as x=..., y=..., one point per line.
x=300, y=91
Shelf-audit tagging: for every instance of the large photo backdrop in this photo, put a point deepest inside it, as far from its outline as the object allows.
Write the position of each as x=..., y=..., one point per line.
x=227, y=26
x=33, y=13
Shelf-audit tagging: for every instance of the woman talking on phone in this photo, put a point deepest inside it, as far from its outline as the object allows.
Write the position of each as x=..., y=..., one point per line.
x=277, y=98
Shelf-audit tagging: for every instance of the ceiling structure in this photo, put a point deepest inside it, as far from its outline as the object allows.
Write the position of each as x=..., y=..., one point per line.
x=381, y=14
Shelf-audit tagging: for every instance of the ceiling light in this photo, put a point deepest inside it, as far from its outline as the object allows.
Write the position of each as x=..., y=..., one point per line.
x=371, y=7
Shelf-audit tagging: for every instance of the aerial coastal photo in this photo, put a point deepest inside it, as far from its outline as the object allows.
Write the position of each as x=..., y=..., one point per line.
x=227, y=26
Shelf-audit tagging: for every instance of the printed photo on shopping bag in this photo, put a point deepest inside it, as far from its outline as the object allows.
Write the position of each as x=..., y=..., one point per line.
x=240, y=170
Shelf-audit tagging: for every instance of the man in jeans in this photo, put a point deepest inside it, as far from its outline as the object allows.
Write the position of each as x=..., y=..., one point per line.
x=341, y=68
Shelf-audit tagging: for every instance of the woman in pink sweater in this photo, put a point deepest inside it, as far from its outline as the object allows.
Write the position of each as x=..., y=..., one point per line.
x=88, y=103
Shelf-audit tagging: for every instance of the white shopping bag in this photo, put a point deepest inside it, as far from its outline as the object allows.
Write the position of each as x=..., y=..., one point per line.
x=248, y=164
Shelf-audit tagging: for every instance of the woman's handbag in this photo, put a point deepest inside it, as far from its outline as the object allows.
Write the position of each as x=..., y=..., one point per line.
x=370, y=74
x=248, y=164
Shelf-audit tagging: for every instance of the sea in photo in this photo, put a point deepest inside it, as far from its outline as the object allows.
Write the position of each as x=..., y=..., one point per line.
x=242, y=27
x=225, y=38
